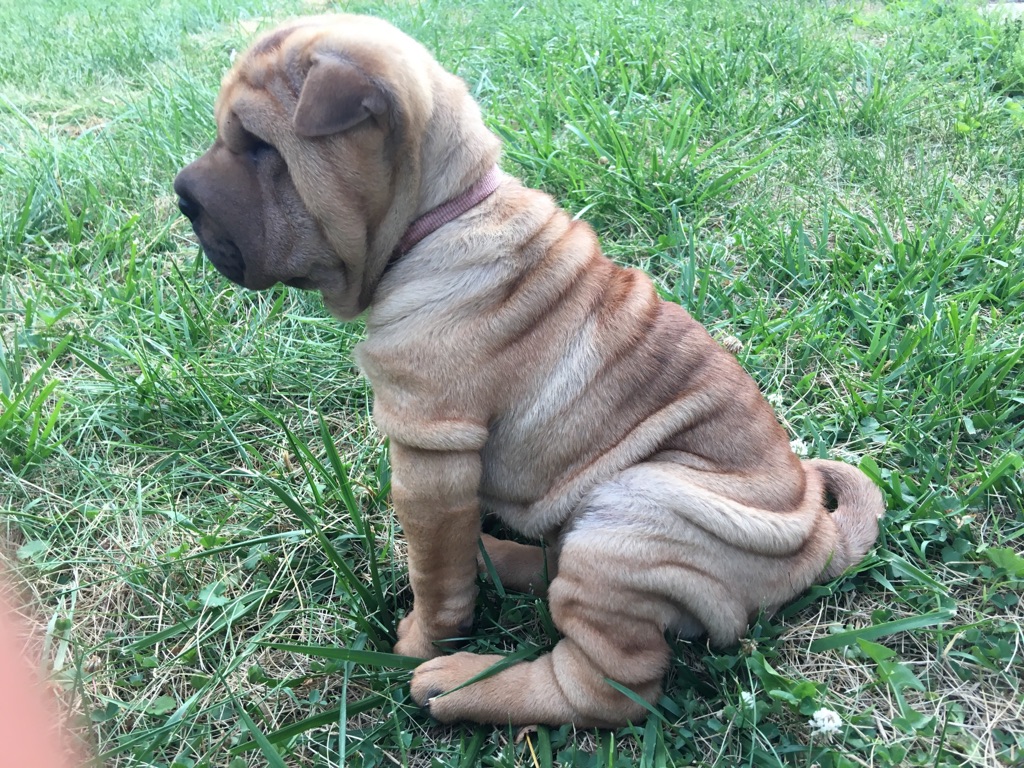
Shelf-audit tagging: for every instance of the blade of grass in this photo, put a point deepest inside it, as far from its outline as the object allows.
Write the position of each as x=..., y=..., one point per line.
x=358, y=656
x=849, y=637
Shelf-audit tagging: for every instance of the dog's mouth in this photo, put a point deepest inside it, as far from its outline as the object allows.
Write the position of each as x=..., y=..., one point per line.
x=226, y=256
x=228, y=260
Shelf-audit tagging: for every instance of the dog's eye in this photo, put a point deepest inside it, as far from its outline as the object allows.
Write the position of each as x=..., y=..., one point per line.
x=258, y=148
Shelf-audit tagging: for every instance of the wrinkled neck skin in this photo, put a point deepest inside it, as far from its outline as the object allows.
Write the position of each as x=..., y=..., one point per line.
x=455, y=152
x=457, y=148
x=450, y=279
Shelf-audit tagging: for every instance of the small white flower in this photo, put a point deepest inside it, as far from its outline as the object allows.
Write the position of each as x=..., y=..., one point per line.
x=825, y=723
x=747, y=700
x=799, y=447
x=775, y=399
x=232, y=55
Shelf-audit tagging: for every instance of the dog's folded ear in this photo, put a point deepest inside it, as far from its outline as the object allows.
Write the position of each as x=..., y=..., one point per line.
x=336, y=96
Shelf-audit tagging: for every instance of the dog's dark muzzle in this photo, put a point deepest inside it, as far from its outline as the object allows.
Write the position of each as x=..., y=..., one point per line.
x=226, y=258
x=189, y=209
x=221, y=250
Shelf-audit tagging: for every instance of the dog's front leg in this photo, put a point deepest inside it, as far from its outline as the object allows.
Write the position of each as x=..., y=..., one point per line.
x=436, y=499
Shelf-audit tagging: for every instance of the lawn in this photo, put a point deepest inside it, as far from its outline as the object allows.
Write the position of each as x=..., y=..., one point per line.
x=195, y=503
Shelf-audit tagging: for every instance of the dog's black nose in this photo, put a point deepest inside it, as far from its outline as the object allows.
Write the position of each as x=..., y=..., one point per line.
x=188, y=207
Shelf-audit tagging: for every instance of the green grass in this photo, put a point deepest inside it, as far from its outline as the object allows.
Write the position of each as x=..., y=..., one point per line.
x=196, y=500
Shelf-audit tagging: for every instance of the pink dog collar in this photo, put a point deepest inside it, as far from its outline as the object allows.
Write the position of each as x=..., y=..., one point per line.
x=436, y=218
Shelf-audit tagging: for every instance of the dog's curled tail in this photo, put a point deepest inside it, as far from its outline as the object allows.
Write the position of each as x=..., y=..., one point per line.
x=859, y=506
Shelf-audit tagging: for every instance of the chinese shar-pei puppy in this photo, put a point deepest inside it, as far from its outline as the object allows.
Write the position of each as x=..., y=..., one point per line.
x=518, y=373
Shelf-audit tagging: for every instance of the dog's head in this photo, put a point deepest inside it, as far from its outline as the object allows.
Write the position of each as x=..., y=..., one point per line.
x=333, y=134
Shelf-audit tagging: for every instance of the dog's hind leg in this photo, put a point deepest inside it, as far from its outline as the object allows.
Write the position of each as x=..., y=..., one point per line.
x=612, y=630
x=521, y=567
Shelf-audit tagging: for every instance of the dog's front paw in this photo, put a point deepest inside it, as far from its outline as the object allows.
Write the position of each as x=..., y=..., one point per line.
x=434, y=682
x=415, y=640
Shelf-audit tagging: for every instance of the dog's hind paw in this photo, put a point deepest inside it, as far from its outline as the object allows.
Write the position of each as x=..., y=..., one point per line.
x=439, y=687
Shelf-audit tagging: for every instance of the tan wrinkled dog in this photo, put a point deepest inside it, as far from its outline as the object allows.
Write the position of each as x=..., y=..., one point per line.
x=517, y=372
